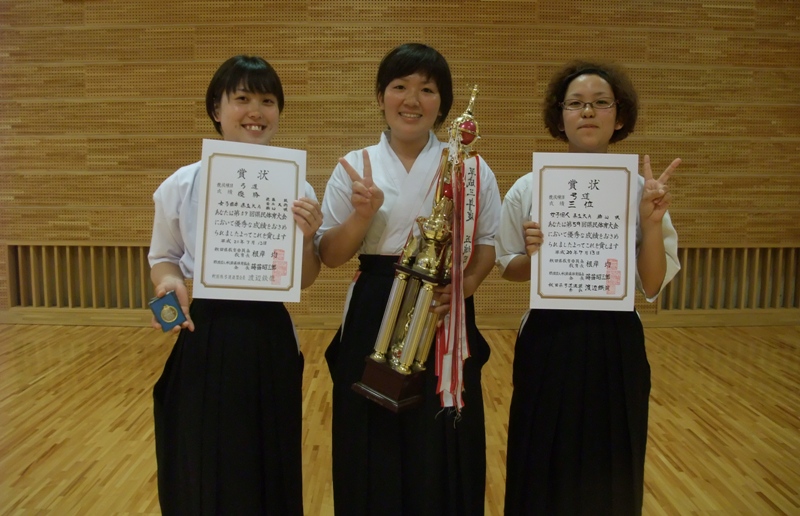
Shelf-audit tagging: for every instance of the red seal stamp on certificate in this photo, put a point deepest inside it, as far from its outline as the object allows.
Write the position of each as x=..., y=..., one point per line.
x=280, y=267
x=613, y=276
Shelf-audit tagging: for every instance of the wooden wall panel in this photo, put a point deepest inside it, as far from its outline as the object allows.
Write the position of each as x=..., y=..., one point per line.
x=369, y=42
x=501, y=116
x=42, y=13
x=105, y=226
x=101, y=100
x=127, y=191
x=717, y=228
x=320, y=79
x=509, y=156
x=718, y=15
x=5, y=294
x=60, y=153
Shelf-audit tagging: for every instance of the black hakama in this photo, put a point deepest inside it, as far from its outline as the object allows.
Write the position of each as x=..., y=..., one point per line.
x=228, y=413
x=577, y=426
x=424, y=461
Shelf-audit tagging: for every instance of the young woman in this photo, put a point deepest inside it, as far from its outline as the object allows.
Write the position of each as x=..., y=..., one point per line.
x=426, y=460
x=228, y=404
x=578, y=419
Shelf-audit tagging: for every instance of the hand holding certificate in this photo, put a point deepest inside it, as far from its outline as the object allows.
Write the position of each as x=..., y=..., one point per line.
x=586, y=206
x=249, y=246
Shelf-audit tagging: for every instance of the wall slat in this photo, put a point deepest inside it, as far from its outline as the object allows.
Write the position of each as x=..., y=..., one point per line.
x=100, y=101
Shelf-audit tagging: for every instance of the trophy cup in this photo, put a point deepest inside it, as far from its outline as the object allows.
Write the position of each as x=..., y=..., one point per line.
x=393, y=374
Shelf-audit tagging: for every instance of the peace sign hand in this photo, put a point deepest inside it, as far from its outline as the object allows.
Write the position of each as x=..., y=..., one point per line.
x=655, y=195
x=366, y=198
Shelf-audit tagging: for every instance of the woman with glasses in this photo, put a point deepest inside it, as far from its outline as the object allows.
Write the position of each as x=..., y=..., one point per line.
x=578, y=418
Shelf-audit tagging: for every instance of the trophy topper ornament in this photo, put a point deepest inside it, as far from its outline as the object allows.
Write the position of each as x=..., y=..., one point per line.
x=469, y=131
x=464, y=129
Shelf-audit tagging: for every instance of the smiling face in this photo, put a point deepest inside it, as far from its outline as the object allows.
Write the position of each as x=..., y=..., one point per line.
x=248, y=117
x=410, y=106
x=589, y=129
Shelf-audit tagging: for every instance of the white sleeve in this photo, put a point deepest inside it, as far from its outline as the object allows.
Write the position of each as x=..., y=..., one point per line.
x=310, y=193
x=336, y=205
x=489, y=214
x=671, y=250
x=515, y=211
x=166, y=244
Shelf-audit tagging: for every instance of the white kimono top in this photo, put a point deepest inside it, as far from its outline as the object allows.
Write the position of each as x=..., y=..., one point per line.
x=407, y=195
x=517, y=208
x=175, y=222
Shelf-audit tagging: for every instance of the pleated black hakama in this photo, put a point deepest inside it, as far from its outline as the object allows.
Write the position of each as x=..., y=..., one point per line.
x=421, y=462
x=228, y=413
x=578, y=418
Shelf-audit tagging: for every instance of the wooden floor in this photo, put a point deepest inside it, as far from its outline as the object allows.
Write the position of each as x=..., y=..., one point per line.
x=76, y=432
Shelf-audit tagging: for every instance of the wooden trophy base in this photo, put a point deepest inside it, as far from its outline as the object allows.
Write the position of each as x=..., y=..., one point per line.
x=395, y=391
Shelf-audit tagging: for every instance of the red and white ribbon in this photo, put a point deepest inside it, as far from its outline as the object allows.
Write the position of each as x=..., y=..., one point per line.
x=452, y=348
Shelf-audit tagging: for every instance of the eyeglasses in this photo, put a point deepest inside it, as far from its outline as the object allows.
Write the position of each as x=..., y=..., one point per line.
x=579, y=105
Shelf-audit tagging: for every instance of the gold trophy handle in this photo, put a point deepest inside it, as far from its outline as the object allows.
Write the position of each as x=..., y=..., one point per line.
x=389, y=316
x=424, y=300
x=427, y=341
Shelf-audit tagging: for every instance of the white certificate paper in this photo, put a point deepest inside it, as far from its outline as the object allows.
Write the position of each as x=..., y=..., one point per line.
x=248, y=245
x=587, y=206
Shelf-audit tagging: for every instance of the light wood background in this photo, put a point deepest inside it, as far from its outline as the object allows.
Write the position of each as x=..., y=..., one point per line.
x=100, y=100
x=76, y=427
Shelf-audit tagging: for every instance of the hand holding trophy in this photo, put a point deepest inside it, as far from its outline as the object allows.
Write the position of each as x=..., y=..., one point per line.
x=393, y=373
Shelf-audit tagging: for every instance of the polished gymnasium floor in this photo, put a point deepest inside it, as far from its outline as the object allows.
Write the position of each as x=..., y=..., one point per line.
x=76, y=433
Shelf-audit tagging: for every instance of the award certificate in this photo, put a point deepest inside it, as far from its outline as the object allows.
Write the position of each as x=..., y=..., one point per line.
x=587, y=206
x=248, y=245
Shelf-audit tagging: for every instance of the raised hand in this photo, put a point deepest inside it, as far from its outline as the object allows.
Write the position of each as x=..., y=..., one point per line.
x=308, y=215
x=533, y=237
x=366, y=198
x=655, y=195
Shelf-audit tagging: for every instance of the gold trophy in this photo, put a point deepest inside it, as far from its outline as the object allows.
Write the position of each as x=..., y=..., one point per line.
x=393, y=373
